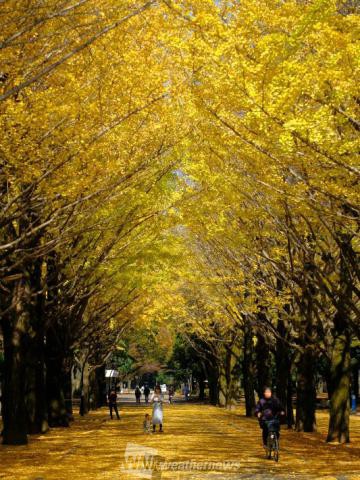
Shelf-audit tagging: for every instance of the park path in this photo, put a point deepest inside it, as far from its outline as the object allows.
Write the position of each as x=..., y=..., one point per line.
x=199, y=442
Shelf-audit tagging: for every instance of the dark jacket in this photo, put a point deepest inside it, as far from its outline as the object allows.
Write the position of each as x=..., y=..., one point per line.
x=112, y=398
x=269, y=407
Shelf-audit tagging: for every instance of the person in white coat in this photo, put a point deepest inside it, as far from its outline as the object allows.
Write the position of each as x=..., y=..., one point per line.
x=157, y=400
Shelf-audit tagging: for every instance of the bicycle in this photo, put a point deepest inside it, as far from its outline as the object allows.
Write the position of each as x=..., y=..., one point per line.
x=272, y=443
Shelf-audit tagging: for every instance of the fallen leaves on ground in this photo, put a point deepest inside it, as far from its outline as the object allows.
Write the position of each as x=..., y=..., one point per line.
x=199, y=441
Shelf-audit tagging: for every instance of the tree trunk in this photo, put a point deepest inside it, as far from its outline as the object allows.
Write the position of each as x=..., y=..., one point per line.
x=13, y=402
x=263, y=364
x=340, y=398
x=213, y=379
x=35, y=395
x=249, y=371
x=355, y=381
x=289, y=403
x=35, y=386
x=68, y=392
x=229, y=375
x=57, y=412
x=341, y=361
x=283, y=363
x=97, y=388
x=100, y=375
x=202, y=379
x=84, y=389
x=222, y=394
x=306, y=387
x=306, y=393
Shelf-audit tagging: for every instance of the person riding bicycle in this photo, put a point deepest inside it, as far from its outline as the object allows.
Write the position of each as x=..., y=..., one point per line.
x=267, y=409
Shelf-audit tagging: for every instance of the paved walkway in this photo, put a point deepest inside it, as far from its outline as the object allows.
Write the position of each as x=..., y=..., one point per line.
x=199, y=442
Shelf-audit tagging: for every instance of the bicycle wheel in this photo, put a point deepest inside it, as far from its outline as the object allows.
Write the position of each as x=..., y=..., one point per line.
x=269, y=446
x=276, y=448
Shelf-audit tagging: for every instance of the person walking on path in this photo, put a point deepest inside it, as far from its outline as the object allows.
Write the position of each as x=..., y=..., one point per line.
x=146, y=393
x=171, y=394
x=157, y=413
x=137, y=394
x=186, y=392
x=268, y=408
x=112, y=398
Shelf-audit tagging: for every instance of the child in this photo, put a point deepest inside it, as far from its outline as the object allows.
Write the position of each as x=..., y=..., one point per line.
x=147, y=424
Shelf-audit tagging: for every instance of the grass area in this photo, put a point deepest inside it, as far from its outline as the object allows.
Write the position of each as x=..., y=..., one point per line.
x=94, y=447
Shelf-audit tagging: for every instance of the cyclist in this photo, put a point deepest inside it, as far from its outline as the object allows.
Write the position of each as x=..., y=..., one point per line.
x=268, y=408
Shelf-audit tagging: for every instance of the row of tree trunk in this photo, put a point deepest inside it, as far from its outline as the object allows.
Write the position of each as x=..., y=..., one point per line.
x=292, y=372
x=37, y=369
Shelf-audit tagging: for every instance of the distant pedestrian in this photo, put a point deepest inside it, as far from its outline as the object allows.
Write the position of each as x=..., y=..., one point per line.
x=171, y=394
x=112, y=398
x=146, y=393
x=186, y=392
x=137, y=394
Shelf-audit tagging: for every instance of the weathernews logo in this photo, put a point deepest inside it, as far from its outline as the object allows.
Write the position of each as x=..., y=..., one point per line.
x=145, y=462
x=142, y=462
